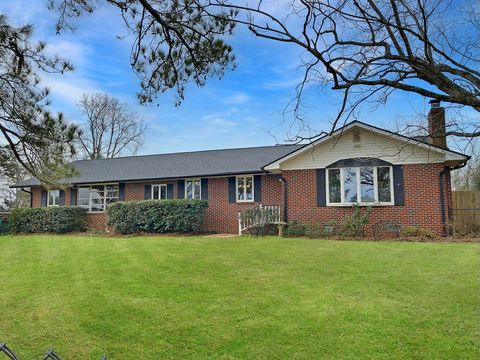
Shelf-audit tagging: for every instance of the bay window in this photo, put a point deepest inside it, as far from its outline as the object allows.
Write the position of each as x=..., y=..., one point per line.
x=193, y=189
x=363, y=185
x=245, y=188
x=97, y=198
x=54, y=198
x=159, y=192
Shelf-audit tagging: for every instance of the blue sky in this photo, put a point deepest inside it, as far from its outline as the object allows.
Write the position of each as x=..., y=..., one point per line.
x=245, y=108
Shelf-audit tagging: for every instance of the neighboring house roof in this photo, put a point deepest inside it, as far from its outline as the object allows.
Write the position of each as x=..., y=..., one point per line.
x=175, y=165
x=450, y=155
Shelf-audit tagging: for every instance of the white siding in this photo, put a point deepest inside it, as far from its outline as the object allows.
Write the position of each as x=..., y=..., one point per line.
x=356, y=143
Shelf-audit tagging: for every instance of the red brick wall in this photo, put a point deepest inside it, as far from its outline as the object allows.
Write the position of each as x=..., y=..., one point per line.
x=222, y=216
x=422, y=199
x=421, y=187
x=136, y=191
x=36, y=196
x=97, y=221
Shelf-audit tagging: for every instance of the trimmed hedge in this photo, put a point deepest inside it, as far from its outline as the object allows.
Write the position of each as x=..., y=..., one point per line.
x=157, y=216
x=58, y=220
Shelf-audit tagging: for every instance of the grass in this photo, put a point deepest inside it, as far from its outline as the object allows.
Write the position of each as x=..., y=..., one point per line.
x=229, y=298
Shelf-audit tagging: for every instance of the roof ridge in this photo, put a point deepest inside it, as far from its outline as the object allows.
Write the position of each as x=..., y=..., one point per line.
x=191, y=152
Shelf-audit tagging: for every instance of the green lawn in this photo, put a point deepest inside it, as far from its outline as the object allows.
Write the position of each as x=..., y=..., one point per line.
x=236, y=298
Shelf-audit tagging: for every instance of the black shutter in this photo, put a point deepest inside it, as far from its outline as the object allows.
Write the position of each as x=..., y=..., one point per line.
x=398, y=192
x=321, y=188
x=73, y=197
x=181, y=189
x=148, y=192
x=61, y=197
x=43, y=198
x=257, y=188
x=121, y=192
x=204, y=189
x=169, y=191
x=232, y=192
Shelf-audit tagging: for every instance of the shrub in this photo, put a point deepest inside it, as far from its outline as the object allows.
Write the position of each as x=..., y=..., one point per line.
x=294, y=228
x=58, y=220
x=354, y=225
x=417, y=232
x=315, y=231
x=332, y=228
x=157, y=216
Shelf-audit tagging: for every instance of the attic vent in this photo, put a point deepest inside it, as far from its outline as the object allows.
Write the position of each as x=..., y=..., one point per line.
x=356, y=136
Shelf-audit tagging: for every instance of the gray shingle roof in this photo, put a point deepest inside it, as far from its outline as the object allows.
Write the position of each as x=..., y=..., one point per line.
x=175, y=165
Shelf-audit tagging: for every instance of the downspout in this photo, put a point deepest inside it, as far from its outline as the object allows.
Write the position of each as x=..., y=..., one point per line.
x=285, y=198
x=445, y=171
x=442, y=200
x=31, y=195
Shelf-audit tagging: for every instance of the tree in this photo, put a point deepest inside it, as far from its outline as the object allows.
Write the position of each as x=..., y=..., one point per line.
x=38, y=140
x=110, y=130
x=368, y=49
x=10, y=172
x=175, y=43
x=365, y=49
x=467, y=178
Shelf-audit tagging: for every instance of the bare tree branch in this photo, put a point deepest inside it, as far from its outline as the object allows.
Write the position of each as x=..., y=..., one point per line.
x=110, y=130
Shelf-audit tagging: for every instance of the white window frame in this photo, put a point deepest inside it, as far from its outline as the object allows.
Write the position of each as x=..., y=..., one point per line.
x=89, y=209
x=159, y=191
x=48, y=198
x=244, y=177
x=359, y=194
x=193, y=188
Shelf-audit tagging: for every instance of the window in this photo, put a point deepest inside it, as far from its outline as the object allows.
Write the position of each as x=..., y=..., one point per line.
x=363, y=185
x=54, y=198
x=159, y=192
x=245, y=188
x=96, y=198
x=193, y=189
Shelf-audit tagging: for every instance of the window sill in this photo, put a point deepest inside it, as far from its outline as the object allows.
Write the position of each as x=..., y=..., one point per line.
x=360, y=204
x=245, y=201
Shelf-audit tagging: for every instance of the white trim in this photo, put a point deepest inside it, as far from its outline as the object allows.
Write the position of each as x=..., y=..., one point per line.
x=159, y=191
x=48, y=198
x=449, y=155
x=193, y=187
x=244, y=177
x=358, y=185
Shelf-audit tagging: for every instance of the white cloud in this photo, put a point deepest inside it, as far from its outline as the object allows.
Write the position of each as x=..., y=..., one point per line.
x=76, y=52
x=69, y=87
x=282, y=84
x=237, y=98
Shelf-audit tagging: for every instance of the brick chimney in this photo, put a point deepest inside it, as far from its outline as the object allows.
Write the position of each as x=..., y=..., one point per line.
x=436, y=124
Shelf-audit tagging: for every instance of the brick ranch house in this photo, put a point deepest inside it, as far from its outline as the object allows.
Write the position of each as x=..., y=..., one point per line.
x=404, y=179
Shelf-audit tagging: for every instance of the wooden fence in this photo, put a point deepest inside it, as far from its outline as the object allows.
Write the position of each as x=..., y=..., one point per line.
x=466, y=212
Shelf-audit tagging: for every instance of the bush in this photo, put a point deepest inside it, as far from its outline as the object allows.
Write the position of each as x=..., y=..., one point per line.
x=354, y=225
x=315, y=231
x=294, y=228
x=417, y=232
x=58, y=220
x=157, y=216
